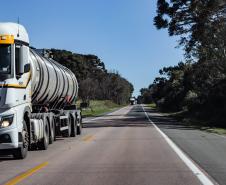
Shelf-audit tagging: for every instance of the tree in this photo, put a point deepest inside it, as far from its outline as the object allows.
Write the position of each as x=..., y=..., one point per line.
x=95, y=82
x=88, y=89
x=145, y=95
x=196, y=21
x=197, y=85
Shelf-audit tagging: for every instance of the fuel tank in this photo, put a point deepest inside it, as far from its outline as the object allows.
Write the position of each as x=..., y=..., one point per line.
x=52, y=84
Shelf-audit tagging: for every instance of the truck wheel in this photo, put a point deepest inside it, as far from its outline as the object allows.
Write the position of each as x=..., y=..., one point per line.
x=73, y=128
x=67, y=133
x=79, y=127
x=21, y=152
x=43, y=144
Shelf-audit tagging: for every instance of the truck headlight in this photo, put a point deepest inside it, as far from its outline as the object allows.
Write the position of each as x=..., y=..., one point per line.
x=6, y=121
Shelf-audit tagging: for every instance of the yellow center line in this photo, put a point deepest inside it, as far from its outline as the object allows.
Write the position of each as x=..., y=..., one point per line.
x=88, y=138
x=26, y=174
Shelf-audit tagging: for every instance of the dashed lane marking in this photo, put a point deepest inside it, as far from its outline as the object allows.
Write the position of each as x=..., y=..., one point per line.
x=27, y=174
x=88, y=138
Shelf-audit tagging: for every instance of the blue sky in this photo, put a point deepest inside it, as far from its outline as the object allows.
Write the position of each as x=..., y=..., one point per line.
x=120, y=32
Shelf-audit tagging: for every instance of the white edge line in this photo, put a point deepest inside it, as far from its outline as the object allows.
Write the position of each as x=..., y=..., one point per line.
x=197, y=172
x=103, y=115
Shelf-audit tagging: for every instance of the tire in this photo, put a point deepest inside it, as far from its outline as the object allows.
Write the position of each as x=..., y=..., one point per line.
x=67, y=133
x=73, y=128
x=43, y=144
x=79, y=127
x=21, y=152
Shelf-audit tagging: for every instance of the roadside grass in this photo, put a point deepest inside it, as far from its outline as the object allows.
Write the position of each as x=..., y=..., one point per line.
x=220, y=131
x=198, y=124
x=188, y=120
x=152, y=105
x=99, y=107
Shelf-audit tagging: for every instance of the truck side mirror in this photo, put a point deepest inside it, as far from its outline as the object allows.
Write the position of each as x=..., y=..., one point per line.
x=27, y=68
x=23, y=58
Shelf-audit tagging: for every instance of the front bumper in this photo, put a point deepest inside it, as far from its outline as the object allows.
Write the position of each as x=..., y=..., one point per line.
x=12, y=142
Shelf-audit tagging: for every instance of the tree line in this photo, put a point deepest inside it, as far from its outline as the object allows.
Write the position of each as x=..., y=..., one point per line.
x=95, y=81
x=198, y=84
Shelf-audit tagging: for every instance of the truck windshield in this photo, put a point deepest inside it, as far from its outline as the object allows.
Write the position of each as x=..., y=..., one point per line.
x=5, y=59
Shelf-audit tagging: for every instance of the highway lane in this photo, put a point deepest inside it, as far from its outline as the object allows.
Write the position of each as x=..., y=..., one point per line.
x=208, y=150
x=117, y=149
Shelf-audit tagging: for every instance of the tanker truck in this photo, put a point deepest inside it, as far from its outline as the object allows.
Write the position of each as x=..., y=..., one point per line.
x=37, y=96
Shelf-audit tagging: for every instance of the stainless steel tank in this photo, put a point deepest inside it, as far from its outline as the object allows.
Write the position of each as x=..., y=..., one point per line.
x=52, y=84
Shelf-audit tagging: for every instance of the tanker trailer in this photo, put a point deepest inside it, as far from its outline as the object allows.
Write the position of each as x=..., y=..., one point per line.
x=37, y=96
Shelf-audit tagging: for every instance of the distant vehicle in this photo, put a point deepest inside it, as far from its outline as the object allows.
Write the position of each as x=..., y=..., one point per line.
x=133, y=101
x=37, y=96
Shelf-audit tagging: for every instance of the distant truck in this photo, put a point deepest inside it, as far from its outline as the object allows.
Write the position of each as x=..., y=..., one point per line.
x=37, y=96
x=132, y=101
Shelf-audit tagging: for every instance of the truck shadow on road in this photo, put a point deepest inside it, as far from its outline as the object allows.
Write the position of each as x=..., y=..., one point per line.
x=6, y=158
x=119, y=122
x=131, y=119
x=137, y=118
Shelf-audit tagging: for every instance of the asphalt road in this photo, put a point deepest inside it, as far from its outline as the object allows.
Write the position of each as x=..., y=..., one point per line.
x=208, y=150
x=122, y=148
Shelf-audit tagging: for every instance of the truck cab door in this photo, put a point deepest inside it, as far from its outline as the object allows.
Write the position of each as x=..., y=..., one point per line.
x=22, y=67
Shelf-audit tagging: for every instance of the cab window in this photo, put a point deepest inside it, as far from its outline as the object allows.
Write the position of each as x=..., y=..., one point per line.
x=5, y=59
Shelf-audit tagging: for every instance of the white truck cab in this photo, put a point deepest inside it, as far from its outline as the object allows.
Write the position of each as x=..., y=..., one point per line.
x=37, y=96
x=15, y=84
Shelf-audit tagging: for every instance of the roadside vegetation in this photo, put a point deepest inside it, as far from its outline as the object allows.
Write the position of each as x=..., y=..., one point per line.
x=95, y=81
x=195, y=89
x=190, y=121
x=99, y=107
x=152, y=105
